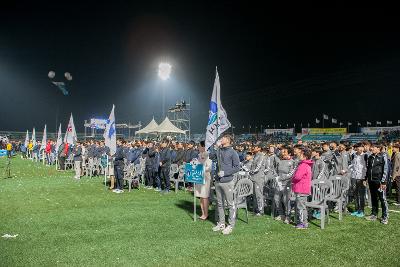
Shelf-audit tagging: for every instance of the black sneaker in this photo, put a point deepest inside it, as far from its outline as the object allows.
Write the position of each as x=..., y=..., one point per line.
x=385, y=221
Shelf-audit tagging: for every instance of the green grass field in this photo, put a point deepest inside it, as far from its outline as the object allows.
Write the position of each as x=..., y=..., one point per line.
x=62, y=222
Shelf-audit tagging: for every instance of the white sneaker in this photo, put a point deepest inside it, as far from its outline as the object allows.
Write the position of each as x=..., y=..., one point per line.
x=219, y=227
x=119, y=191
x=116, y=190
x=227, y=230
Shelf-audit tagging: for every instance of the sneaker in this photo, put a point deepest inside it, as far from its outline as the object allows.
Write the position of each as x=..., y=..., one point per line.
x=157, y=189
x=119, y=191
x=219, y=227
x=360, y=214
x=385, y=221
x=278, y=218
x=371, y=218
x=354, y=213
x=258, y=214
x=115, y=190
x=228, y=230
x=302, y=226
x=287, y=221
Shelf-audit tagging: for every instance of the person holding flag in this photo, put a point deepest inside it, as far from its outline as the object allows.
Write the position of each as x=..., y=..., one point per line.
x=110, y=140
x=228, y=160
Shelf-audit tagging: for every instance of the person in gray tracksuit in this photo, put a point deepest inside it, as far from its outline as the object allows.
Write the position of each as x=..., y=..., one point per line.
x=257, y=176
x=228, y=165
x=270, y=163
x=285, y=168
x=319, y=168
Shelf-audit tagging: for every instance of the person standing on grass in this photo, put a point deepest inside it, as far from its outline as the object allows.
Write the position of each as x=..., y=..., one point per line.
x=228, y=165
x=396, y=171
x=119, y=167
x=165, y=164
x=203, y=190
x=77, y=160
x=376, y=175
x=301, y=186
x=358, y=171
x=257, y=177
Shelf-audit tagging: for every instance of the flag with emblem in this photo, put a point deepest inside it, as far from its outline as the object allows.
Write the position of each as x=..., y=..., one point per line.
x=110, y=134
x=70, y=135
x=218, y=121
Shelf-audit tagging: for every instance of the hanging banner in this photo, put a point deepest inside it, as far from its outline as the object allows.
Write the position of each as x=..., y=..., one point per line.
x=324, y=131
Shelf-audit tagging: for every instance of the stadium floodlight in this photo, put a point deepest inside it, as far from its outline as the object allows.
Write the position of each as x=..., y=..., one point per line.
x=164, y=70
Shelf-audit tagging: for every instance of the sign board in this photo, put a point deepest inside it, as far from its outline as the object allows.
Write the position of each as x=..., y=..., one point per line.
x=377, y=130
x=98, y=123
x=194, y=173
x=279, y=131
x=324, y=131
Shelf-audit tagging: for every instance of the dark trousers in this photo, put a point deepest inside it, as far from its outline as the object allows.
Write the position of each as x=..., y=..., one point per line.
x=397, y=182
x=119, y=176
x=61, y=162
x=164, y=176
x=375, y=195
x=359, y=194
x=148, y=176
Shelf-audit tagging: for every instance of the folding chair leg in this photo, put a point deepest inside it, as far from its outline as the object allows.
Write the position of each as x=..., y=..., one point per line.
x=340, y=204
x=247, y=216
x=323, y=218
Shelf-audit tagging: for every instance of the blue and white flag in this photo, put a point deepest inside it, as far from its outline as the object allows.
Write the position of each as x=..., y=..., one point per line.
x=110, y=134
x=26, y=139
x=217, y=119
x=70, y=135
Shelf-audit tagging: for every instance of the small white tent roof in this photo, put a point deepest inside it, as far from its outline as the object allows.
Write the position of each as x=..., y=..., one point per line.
x=149, y=128
x=167, y=127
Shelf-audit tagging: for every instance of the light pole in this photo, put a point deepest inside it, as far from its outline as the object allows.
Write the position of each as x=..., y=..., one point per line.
x=164, y=72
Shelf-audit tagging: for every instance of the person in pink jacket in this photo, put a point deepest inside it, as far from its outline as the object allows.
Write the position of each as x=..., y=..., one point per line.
x=301, y=186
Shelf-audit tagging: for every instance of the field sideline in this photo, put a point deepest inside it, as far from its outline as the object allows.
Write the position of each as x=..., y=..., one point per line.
x=62, y=222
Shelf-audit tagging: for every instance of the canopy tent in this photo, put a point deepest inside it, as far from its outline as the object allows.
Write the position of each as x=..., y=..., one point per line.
x=167, y=127
x=150, y=128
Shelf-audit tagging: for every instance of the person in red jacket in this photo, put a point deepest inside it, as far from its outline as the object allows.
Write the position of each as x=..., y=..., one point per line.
x=47, y=150
x=301, y=186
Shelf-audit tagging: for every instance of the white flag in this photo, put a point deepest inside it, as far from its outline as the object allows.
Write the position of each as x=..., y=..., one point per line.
x=317, y=121
x=340, y=123
x=325, y=117
x=334, y=120
x=218, y=121
x=388, y=122
x=368, y=123
x=110, y=134
x=44, y=138
x=26, y=139
x=70, y=135
x=398, y=121
x=33, y=137
x=349, y=124
x=359, y=124
x=59, y=139
x=378, y=123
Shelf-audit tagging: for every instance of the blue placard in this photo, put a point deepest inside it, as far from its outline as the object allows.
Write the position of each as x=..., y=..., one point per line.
x=194, y=173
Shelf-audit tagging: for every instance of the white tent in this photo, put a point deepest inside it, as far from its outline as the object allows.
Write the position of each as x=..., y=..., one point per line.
x=149, y=128
x=167, y=127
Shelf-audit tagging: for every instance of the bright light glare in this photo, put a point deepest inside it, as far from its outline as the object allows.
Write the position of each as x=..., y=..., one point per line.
x=164, y=71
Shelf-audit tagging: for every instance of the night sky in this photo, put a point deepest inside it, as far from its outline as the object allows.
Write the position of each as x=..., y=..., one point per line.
x=276, y=66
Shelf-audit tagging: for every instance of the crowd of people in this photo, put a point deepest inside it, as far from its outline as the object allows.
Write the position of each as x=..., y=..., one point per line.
x=371, y=169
